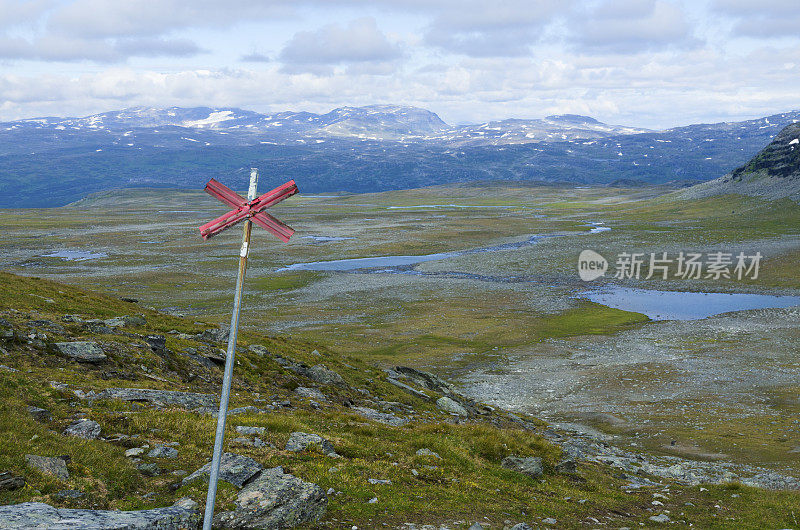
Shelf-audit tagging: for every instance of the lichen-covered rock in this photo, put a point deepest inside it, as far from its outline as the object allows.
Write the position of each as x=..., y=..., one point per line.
x=300, y=441
x=452, y=406
x=10, y=482
x=531, y=465
x=125, y=321
x=325, y=376
x=423, y=379
x=233, y=468
x=37, y=515
x=49, y=465
x=84, y=428
x=84, y=352
x=163, y=452
x=214, y=335
x=40, y=414
x=246, y=429
x=167, y=398
x=311, y=393
x=381, y=417
x=275, y=500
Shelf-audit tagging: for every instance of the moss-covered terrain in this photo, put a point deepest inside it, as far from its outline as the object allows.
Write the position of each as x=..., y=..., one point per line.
x=465, y=484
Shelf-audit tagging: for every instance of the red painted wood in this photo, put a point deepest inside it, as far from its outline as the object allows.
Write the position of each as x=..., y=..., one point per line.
x=253, y=209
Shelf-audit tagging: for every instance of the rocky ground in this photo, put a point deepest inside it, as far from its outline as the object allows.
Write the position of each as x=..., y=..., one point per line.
x=108, y=414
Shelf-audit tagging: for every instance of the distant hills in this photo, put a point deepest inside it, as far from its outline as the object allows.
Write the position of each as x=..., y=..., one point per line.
x=54, y=161
x=773, y=173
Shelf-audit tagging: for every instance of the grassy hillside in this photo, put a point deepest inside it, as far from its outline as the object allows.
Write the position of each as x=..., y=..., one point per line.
x=466, y=484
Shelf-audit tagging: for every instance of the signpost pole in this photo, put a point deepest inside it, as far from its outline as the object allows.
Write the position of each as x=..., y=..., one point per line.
x=229, y=362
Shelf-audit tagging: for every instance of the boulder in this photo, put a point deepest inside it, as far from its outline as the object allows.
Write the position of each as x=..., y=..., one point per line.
x=85, y=352
x=149, y=469
x=311, y=393
x=39, y=414
x=531, y=465
x=411, y=390
x=423, y=379
x=37, y=515
x=49, y=465
x=245, y=429
x=324, y=376
x=214, y=335
x=125, y=321
x=427, y=452
x=233, y=468
x=275, y=500
x=10, y=481
x=451, y=406
x=300, y=441
x=6, y=330
x=381, y=417
x=163, y=451
x=84, y=428
x=259, y=350
x=166, y=398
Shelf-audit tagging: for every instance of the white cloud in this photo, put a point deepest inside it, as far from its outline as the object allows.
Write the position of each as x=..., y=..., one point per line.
x=761, y=19
x=359, y=42
x=632, y=26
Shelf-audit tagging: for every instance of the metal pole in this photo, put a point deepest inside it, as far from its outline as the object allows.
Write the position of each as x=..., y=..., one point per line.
x=229, y=362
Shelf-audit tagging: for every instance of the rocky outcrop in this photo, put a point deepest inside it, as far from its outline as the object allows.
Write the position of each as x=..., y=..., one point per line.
x=37, y=515
x=531, y=465
x=319, y=372
x=301, y=441
x=424, y=379
x=451, y=406
x=84, y=428
x=381, y=417
x=233, y=468
x=275, y=500
x=84, y=352
x=162, y=398
x=49, y=465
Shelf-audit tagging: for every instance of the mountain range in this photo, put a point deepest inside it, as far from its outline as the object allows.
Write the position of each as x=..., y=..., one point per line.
x=53, y=161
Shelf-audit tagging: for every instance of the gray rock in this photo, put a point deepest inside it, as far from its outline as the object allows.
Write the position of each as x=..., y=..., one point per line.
x=660, y=518
x=70, y=494
x=10, y=482
x=379, y=481
x=427, y=452
x=476, y=526
x=40, y=415
x=84, y=428
x=531, y=466
x=275, y=500
x=187, y=503
x=165, y=398
x=37, y=515
x=72, y=319
x=249, y=409
x=85, y=352
x=47, y=325
x=136, y=451
x=157, y=343
x=424, y=379
x=245, y=429
x=162, y=451
x=321, y=374
x=300, y=441
x=6, y=330
x=259, y=350
x=49, y=465
x=311, y=393
x=149, y=469
x=450, y=405
x=381, y=417
x=214, y=335
x=521, y=526
x=549, y=520
x=411, y=390
x=567, y=466
x=233, y=468
x=126, y=321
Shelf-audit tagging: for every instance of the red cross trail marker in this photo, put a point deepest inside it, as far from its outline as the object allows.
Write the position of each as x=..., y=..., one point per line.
x=250, y=210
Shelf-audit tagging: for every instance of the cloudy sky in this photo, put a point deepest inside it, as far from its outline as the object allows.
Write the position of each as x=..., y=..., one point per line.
x=650, y=63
